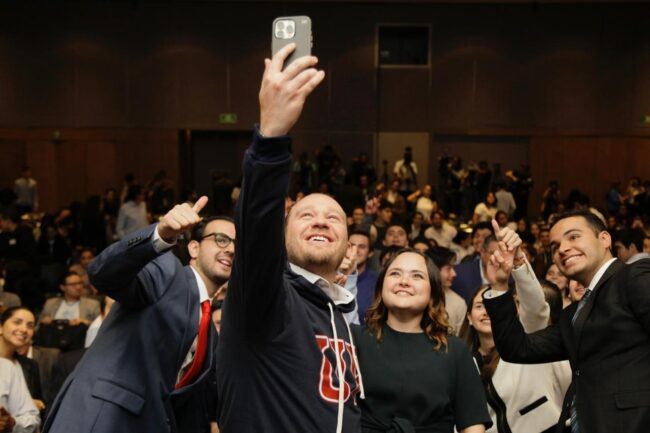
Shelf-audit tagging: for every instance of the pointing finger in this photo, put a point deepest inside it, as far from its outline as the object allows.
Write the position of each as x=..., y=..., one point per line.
x=497, y=231
x=200, y=204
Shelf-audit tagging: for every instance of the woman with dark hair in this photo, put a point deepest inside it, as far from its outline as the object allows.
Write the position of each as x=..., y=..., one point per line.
x=486, y=210
x=415, y=376
x=522, y=398
x=17, y=326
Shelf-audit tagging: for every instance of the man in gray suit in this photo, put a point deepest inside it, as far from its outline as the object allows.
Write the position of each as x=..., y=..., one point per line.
x=71, y=306
x=155, y=344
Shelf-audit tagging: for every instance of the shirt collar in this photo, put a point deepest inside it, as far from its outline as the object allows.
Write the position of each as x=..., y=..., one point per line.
x=203, y=290
x=337, y=293
x=637, y=257
x=599, y=274
x=484, y=279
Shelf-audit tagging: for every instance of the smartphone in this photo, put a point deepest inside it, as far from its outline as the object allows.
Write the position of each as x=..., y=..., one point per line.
x=292, y=29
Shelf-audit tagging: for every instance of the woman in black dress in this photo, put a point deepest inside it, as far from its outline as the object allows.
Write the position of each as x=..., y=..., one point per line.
x=415, y=376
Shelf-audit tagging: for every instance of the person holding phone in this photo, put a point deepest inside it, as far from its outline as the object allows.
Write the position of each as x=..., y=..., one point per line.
x=284, y=341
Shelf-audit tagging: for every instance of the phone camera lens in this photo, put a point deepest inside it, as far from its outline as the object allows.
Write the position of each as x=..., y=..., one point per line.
x=290, y=29
x=280, y=25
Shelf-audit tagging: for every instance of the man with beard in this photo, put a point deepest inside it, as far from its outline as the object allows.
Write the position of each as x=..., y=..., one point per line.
x=155, y=349
x=605, y=336
x=286, y=361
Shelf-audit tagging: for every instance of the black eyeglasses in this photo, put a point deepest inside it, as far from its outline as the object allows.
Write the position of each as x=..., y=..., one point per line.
x=221, y=239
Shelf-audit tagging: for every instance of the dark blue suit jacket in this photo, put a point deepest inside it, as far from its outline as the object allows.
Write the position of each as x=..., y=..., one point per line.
x=125, y=381
x=468, y=279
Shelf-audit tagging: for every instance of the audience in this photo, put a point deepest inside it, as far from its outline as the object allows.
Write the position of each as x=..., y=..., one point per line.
x=42, y=254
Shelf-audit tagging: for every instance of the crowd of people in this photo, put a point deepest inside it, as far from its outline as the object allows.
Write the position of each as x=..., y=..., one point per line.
x=356, y=303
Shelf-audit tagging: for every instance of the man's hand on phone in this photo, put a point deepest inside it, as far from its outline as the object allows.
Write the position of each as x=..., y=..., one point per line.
x=283, y=93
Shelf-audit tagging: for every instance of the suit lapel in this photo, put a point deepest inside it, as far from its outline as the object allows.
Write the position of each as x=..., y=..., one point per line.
x=588, y=307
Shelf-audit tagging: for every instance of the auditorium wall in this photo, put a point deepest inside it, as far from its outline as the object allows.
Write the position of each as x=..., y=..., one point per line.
x=124, y=77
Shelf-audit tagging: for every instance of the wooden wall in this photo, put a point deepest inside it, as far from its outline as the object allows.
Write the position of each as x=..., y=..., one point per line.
x=539, y=72
x=590, y=164
x=84, y=162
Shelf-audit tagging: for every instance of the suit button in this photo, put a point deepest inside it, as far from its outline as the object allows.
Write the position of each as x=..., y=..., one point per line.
x=577, y=372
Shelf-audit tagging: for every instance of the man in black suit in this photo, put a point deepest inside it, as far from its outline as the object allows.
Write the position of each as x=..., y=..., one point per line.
x=606, y=336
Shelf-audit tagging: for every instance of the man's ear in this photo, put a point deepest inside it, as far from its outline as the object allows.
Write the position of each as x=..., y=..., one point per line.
x=606, y=239
x=193, y=248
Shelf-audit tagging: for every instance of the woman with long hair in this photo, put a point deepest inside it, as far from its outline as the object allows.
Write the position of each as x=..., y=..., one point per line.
x=17, y=326
x=415, y=376
x=522, y=398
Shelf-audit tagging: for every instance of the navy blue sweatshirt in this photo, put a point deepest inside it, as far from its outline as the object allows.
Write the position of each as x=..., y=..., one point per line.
x=276, y=361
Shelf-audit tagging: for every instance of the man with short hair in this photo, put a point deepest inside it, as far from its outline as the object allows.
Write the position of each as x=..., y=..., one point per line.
x=440, y=231
x=154, y=352
x=456, y=307
x=544, y=258
x=479, y=232
x=380, y=224
x=605, y=336
x=629, y=246
x=71, y=306
x=396, y=236
x=358, y=220
x=367, y=279
x=286, y=361
x=472, y=275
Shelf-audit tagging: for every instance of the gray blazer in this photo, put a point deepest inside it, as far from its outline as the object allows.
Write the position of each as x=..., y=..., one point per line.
x=89, y=308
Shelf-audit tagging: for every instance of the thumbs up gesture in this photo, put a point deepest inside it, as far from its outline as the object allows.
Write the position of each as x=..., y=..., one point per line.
x=180, y=218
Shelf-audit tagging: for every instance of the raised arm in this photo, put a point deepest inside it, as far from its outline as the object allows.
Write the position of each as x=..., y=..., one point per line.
x=133, y=270
x=512, y=342
x=533, y=312
x=256, y=285
x=508, y=327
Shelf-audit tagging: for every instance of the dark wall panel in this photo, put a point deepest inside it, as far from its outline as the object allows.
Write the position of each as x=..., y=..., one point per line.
x=587, y=163
x=83, y=162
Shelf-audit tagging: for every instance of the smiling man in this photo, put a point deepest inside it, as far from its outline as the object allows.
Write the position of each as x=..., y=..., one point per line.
x=605, y=336
x=154, y=352
x=286, y=362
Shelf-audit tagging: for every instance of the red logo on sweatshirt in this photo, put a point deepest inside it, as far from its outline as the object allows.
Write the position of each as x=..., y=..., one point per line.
x=330, y=382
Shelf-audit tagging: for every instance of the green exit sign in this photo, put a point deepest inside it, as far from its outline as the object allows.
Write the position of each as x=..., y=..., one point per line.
x=228, y=118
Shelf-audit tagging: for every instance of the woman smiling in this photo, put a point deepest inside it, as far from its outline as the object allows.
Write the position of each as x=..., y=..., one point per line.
x=415, y=376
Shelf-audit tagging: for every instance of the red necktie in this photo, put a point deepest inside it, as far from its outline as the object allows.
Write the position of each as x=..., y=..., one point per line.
x=201, y=346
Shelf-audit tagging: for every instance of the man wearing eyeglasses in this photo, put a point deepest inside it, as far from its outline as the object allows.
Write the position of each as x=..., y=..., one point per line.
x=151, y=365
x=71, y=306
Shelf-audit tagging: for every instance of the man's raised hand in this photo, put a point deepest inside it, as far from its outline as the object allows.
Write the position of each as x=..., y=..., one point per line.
x=509, y=253
x=180, y=218
x=349, y=263
x=283, y=92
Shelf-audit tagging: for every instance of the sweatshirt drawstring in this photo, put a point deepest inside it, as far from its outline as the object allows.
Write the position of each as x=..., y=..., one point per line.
x=356, y=360
x=339, y=370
